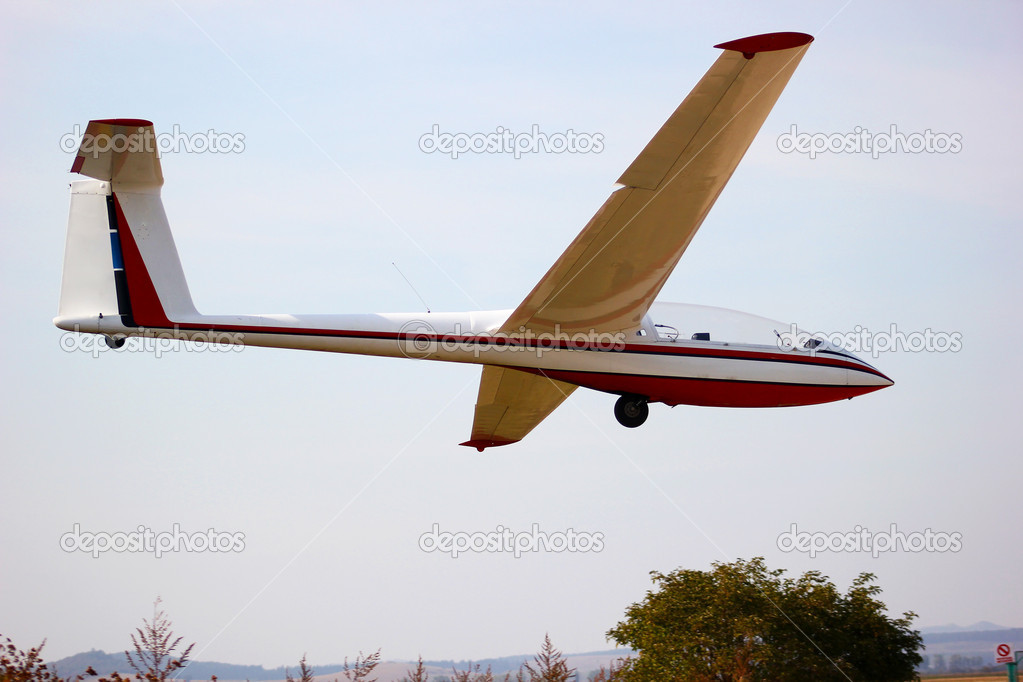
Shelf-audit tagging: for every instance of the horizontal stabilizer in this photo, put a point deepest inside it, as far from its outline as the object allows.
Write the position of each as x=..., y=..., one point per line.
x=120, y=150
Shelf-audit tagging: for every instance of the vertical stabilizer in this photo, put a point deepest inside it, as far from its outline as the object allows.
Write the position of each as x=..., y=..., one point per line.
x=120, y=258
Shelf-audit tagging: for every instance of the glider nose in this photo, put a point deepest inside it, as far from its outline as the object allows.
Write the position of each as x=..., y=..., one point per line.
x=873, y=378
x=867, y=380
x=868, y=376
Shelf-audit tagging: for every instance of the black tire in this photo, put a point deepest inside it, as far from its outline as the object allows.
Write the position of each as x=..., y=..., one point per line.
x=631, y=411
x=115, y=342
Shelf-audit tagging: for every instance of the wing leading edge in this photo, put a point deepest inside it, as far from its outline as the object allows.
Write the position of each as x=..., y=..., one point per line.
x=611, y=273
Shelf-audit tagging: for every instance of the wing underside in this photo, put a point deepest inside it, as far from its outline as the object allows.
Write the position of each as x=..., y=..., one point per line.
x=511, y=403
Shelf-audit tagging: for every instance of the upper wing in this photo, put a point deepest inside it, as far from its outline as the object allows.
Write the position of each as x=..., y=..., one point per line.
x=510, y=403
x=608, y=277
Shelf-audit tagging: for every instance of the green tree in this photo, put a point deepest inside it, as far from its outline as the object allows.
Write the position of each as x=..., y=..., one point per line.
x=741, y=622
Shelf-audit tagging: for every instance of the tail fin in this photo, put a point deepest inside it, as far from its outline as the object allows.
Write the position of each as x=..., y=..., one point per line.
x=121, y=268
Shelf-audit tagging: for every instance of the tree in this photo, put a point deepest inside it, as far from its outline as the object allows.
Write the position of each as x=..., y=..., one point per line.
x=362, y=668
x=472, y=673
x=609, y=673
x=741, y=622
x=27, y=666
x=304, y=671
x=24, y=666
x=550, y=666
x=154, y=657
x=417, y=674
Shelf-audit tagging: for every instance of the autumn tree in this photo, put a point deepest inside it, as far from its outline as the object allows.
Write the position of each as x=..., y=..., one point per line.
x=472, y=673
x=743, y=622
x=154, y=657
x=417, y=674
x=549, y=665
x=608, y=673
x=24, y=666
x=362, y=668
x=305, y=673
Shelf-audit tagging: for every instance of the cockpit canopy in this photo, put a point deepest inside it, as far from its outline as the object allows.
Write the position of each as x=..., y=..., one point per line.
x=684, y=322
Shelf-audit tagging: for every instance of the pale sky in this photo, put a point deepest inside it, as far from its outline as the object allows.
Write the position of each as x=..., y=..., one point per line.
x=333, y=466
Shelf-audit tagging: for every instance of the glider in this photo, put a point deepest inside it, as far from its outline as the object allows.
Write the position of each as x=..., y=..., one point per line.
x=591, y=321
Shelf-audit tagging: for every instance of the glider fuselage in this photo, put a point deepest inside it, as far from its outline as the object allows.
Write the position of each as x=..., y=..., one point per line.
x=645, y=362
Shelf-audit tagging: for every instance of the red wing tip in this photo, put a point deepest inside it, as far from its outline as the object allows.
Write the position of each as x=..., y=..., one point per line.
x=130, y=122
x=483, y=443
x=767, y=42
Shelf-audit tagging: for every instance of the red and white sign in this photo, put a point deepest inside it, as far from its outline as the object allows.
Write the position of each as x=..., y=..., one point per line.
x=1003, y=654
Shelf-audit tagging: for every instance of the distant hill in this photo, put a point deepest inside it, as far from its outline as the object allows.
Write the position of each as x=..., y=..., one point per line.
x=971, y=644
x=104, y=664
x=391, y=671
x=952, y=627
x=973, y=641
x=100, y=661
x=584, y=663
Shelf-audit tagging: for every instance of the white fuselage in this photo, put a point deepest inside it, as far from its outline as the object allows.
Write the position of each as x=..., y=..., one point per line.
x=665, y=368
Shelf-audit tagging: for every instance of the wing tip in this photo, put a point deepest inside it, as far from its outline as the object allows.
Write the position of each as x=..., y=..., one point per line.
x=482, y=444
x=127, y=122
x=767, y=42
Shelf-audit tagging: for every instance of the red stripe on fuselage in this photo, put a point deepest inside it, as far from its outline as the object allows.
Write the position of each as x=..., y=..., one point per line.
x=708, y=392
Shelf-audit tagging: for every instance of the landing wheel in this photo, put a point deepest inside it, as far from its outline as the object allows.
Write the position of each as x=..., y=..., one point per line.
x=631, y=411
x=114, y=341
